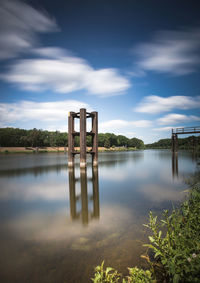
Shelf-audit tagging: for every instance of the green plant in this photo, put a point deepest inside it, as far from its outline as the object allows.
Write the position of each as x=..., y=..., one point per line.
x=175, y=240
x=108, y=275
x=111, y=275
x=137, y=275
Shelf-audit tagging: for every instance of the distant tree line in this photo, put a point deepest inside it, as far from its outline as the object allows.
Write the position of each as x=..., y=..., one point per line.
x=16, y=137
x=31, y=138
x=183, y=143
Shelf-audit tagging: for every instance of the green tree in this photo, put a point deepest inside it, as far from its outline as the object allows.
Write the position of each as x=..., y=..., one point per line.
x=101, y=138
x=122, y=140
x=107, y=143
x=40, y=138
x=134, y=142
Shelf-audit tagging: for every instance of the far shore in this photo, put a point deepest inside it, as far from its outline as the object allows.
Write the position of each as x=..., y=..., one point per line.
x=6, y=150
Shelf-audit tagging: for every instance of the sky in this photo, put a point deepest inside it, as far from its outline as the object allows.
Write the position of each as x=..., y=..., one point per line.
x=137, y=63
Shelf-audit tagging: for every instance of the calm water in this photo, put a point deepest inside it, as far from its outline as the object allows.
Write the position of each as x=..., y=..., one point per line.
x=57, y=225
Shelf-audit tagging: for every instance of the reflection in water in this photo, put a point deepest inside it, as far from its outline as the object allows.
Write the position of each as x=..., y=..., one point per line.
x=38, y=243
x=175, y=164
x=35, y=170
x=84, y=214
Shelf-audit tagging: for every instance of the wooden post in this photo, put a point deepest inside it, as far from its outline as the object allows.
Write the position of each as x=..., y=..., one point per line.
x=84, y=196
x=193, y=143
x=70, y=139
x=95, y=138
x=173, y=145
x=83, y=137
x=175, y=164
x=176, y=142
x=82, y=115
x=95, y=181
x=72, y=193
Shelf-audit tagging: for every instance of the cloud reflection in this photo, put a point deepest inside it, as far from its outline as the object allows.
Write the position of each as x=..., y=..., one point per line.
x=47, y=226
x=44, y=190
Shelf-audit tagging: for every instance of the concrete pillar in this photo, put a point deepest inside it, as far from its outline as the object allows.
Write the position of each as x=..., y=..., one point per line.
x=95, y=138
x=72, y=193
x=70, y=139
x=95, y=182
x=82, y=115
x=174, y=142
x=83, y=138
x=84, y=196
x=175, y=164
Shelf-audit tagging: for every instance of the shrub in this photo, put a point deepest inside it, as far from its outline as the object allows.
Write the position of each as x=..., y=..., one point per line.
x=175, y=242
x=111, y=275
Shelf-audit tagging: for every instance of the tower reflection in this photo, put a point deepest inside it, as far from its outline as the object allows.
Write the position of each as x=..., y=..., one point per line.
x=83, y=200
x=175, y=164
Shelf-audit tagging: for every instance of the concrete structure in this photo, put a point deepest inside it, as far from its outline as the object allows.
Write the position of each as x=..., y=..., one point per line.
x=182, y=131
x=82, y=115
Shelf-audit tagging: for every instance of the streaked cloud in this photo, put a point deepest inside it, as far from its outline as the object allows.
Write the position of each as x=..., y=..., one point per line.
x=154, y=104
x=43, y=192
x=51, y=52
x=118, y=125
x=173, y=52
x=60, y=227
x=163, y=129
x=156, y=193
x=39, y=111
x=64, y=73
x=19, y=25
x=177, y=118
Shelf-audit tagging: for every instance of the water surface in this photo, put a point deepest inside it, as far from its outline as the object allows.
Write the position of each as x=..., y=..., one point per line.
x=58, y=224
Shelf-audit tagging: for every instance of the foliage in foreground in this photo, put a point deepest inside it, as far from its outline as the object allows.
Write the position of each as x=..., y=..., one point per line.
x=111, y=275
x=175, y=242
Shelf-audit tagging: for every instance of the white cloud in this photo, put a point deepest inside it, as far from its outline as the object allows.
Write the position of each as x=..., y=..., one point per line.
x=51, y=52
x=163, y=129
x=55, y=69
x=154, y=104
x=44, y=191
x=156, y=193
x=60, y=227
x=177, y=118
x=64, y=73
x=174, y=52
x=141, y=123
x=106, y=82
x=19, y=23
x=118, y=125
x=113, y=124
x=42, y=111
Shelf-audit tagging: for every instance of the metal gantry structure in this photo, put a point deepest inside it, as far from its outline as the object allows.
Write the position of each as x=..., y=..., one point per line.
x=82, y=115
x=182, y=131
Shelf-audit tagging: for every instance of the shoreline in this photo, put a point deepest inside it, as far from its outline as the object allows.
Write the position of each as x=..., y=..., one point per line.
x=7, y=150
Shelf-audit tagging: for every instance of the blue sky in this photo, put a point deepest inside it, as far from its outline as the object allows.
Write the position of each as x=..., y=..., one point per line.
x=135, y=62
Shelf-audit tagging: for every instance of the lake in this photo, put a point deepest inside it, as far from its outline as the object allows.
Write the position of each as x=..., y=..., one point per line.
x=58, y=224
